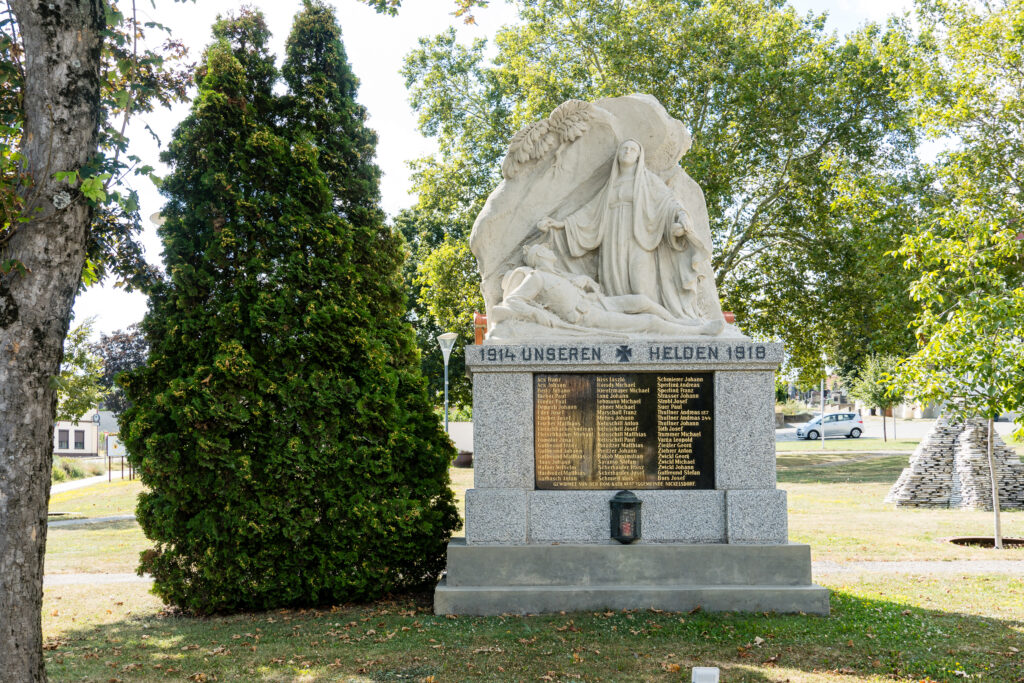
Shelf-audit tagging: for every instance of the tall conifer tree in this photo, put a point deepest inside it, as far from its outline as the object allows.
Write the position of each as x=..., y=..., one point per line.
x=322, y=106
x=281, y=425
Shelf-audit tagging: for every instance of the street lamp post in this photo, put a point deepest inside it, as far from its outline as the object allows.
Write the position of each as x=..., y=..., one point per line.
x=825, y=372
x=447, y=342
x=96, y=421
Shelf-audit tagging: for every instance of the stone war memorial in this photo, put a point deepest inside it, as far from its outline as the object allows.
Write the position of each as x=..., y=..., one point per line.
x=623, y=430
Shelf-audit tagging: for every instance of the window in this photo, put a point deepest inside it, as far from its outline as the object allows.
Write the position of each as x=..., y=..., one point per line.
x=62, y=438
x=79, y=439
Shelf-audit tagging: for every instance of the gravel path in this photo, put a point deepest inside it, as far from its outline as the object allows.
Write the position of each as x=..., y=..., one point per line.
x=961, y=567
x=1013, y=567
x=90, y=520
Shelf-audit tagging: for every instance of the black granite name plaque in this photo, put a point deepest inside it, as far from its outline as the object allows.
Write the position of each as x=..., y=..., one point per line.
x=640, y=430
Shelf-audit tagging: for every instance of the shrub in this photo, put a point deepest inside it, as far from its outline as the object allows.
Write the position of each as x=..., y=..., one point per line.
x=57, y=473
x=64, y=470
x=281, y=424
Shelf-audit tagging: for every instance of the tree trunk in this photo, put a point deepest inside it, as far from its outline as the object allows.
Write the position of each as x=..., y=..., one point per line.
x=997, y=536
x=884, y=435
x=61, y=103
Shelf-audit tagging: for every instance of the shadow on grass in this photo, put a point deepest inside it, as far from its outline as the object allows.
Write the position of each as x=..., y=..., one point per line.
x=867, y=471
x=402, y=640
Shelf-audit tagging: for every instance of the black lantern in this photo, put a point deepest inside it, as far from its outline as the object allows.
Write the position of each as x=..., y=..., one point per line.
x=625, y=516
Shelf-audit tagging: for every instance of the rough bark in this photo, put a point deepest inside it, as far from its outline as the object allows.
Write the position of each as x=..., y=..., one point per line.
x=61, y=117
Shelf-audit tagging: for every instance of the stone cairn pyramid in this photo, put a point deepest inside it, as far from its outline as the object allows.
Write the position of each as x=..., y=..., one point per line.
x=949, y=469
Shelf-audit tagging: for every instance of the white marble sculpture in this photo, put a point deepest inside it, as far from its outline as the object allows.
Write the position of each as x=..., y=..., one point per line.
x=597, y=231
x=540, y=293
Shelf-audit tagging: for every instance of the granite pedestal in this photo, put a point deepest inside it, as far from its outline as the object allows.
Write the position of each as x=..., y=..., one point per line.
x=723, y=547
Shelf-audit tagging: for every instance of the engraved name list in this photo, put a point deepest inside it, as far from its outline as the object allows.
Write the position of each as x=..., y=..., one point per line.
x=624, y=430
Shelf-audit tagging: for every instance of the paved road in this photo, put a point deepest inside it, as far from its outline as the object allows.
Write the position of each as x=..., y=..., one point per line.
x=462, y=432
x=82, y=483
x=905, y=429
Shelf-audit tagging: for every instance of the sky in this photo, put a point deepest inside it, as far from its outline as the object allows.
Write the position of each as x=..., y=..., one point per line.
x=376, y=45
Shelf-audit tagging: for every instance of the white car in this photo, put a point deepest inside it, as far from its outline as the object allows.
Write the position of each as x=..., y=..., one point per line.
x=850, y=425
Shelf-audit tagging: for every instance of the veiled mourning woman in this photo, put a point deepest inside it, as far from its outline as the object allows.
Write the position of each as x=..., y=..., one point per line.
x=644, y=237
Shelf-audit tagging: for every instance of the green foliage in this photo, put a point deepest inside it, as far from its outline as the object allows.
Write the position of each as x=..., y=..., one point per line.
x=120, y=351
x=781, y=390
x=281, y=423
x=463, y=8
x=448, y=280
x=793, y=407
x=64, y=470
x=421, y=236
x=79, y=386
x=874, y=384
x=967, y=87
x=322, y=107
x=134, y=80
x=787, y=121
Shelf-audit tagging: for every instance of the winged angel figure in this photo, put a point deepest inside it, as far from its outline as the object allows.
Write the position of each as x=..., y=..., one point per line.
x=629, y=244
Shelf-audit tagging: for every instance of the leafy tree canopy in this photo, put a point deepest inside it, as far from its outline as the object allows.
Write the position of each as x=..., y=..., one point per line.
x=120, y=351
x=787, y=122
x=134, y=79
x=80, y=384
x=968, y=257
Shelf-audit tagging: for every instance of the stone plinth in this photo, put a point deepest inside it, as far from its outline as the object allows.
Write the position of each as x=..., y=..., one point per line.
x=531, y=550
x=536, y=578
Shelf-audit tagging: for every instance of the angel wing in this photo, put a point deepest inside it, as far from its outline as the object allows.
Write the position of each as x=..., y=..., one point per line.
x=569, y=119
x=567, y=123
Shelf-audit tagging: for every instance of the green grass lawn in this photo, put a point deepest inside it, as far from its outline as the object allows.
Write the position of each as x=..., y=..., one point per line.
x=842, y=444
x=910, y=629
x=101, y=500
x=103, y=548
x=883, y=626
x=462, y=479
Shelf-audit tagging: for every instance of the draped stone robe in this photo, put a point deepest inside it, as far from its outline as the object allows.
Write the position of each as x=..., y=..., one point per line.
x=630, y=224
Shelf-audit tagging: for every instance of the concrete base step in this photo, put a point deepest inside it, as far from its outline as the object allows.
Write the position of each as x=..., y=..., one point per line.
x=494, y=600
x=649, y=564
x=532, y=579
